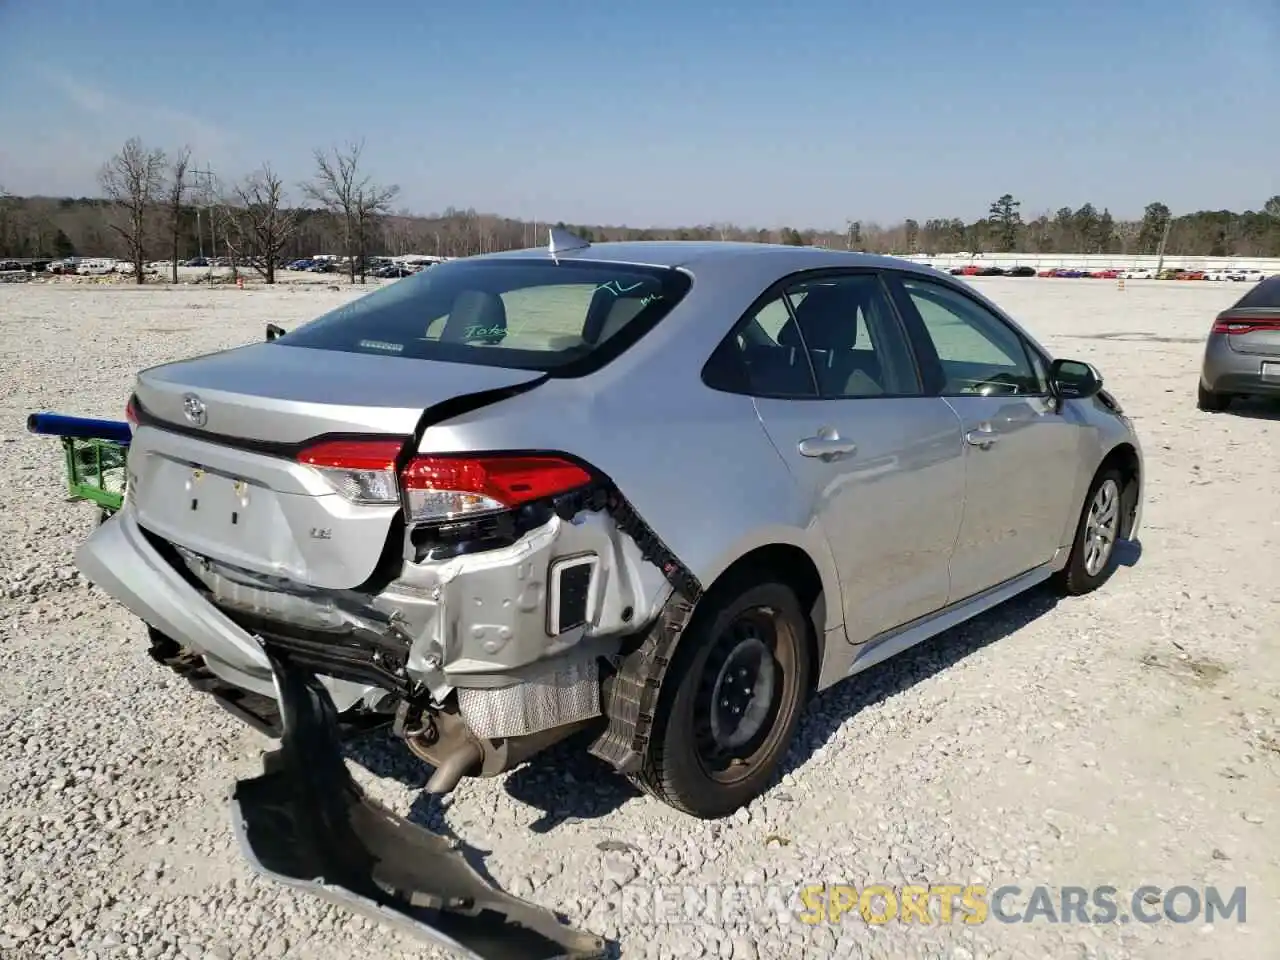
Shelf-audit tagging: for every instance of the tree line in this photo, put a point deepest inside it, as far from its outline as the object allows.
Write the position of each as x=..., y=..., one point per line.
x=157, y=205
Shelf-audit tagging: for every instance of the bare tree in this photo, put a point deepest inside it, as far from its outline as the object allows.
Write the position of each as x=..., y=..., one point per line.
x=262, y=223
x=353, y=199
x=177, y=190
x=133, y=180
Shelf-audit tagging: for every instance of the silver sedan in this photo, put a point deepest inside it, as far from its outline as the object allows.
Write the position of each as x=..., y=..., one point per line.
x=1242, y=352
x=659, y=493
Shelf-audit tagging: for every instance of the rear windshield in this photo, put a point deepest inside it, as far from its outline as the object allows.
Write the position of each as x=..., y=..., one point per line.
x=519, y=313
x=1265, y=294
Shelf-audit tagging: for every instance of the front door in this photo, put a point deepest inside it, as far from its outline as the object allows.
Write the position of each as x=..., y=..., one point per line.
x=1021, y=455
x=884, y=464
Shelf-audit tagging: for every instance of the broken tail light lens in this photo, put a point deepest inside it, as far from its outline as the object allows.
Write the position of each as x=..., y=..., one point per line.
x=362, y=471
x=445, y=488
x=1239, y=325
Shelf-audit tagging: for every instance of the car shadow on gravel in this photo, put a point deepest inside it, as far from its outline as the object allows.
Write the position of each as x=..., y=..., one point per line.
x=569, y=785
x=1253, y=408
x=829, y=710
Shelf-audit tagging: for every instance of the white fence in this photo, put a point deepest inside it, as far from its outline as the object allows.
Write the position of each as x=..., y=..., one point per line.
x=1067, y=261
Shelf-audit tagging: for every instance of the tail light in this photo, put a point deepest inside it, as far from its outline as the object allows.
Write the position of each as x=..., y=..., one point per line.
x=1238, y=325
x=363, y=471
x=440, y=487
x=443, y=488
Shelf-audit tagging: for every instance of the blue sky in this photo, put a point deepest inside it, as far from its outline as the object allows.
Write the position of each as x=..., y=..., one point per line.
x=661, y=112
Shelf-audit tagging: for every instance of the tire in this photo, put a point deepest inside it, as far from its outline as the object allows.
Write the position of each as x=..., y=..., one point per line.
x=1082, y=575
x=754, y=619
x=1212, y=402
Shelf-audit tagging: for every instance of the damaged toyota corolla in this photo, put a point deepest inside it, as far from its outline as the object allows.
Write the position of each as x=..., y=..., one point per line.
x=654, y=493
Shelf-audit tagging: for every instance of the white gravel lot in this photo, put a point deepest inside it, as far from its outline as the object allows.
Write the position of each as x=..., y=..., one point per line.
x=1125, y=738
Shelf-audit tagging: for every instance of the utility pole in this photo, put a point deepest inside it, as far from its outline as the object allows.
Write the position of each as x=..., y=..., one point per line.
x=1164, y=239
x=205, y=178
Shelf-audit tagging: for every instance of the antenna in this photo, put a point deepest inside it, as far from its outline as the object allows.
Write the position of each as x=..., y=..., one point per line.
x=562, y=240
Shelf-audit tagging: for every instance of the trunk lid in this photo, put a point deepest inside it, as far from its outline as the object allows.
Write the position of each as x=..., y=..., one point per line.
x=214, y=468
x=1262, y=334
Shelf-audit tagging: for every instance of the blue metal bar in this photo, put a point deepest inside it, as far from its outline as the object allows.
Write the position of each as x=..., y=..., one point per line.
x=59, y=425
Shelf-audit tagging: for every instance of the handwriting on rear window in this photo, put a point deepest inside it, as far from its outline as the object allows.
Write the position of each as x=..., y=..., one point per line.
x=618, y=289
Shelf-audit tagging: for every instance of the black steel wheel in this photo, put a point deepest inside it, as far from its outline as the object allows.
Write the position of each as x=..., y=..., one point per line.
x=731, y=700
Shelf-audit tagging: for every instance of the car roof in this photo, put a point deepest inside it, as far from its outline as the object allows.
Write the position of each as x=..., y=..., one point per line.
x=691, y=253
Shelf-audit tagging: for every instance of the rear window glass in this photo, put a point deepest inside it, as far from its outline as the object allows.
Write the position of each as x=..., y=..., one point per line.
x=525, y=314
x=1265, y=294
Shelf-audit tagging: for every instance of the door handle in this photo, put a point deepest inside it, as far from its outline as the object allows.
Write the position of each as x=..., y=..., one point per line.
x=983, y=438
x=827, y=448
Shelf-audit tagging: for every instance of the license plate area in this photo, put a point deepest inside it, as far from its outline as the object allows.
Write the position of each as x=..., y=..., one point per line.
x=220, y=499
x=1271, y=371
x=217, y=514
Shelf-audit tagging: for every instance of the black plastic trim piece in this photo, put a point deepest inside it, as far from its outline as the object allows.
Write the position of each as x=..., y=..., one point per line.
x=306, y=823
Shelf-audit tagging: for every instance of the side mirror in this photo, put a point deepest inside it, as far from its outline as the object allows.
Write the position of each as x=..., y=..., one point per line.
x=1074, y=379
x=273, y=331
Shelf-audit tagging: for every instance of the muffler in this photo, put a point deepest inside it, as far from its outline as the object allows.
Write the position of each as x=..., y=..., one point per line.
x=306, y=823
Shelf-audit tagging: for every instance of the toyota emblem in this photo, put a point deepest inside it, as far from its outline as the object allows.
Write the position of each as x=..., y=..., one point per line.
x=194, y=410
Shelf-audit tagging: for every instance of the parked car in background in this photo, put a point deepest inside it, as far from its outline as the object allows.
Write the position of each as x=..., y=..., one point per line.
x=1140, y=273
x=1246, y=275
x=1242, y=354
x=492, y=497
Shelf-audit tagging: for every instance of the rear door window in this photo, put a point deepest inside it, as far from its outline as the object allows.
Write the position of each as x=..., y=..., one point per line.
x=566, y=317
x=835, y=337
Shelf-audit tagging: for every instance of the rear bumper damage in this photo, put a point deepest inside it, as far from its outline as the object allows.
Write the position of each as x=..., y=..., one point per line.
x=483, y=657
x=487, y=658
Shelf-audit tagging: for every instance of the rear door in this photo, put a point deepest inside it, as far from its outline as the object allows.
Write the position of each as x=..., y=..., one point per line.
x=837, y=390
x=1021, y=456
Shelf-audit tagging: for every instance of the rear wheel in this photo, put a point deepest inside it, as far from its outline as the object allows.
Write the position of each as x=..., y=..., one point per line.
x=1092, y=559
x=1213, y=402
x=731, y=701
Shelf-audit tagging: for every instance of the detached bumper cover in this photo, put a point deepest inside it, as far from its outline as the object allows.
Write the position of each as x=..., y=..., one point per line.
x=306, y=823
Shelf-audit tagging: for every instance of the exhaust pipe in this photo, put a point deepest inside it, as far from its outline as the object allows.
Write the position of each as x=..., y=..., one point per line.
x=306, y=823
x=442, y=739
x=454, y=768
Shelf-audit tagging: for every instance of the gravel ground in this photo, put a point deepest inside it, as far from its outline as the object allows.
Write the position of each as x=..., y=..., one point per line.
x=1129, y=737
